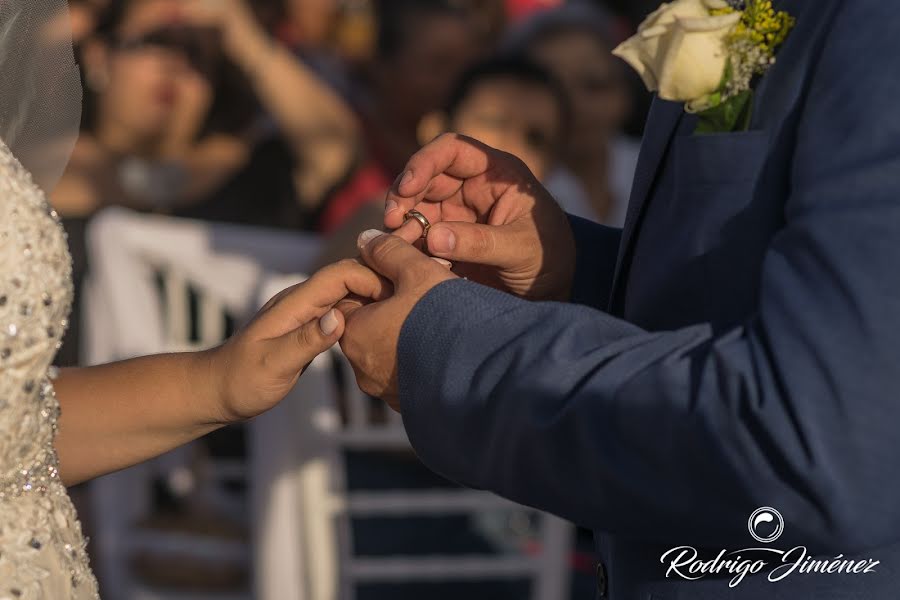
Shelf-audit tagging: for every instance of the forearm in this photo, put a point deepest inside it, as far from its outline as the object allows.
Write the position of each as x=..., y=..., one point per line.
x=281, y=79
x=581, y=414
x=322, y=130
x=118, y=415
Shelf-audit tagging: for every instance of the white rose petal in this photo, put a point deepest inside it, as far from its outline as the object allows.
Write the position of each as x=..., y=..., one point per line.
x=667, y=13
x=694, y=57
x=679, y=49
x=634, y=52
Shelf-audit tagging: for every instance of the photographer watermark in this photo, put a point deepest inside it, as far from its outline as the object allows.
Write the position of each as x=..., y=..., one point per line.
x=765, y=525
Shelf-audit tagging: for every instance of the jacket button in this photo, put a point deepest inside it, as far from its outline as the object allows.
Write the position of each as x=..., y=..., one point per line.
x=602, y=580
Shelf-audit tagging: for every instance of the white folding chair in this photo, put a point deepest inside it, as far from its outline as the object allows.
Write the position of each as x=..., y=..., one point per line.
x=126, y=315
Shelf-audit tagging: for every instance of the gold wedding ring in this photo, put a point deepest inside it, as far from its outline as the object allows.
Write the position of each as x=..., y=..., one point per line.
x=422, y=219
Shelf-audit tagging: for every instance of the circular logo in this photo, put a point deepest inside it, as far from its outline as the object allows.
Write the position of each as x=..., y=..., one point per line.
x=762, y=532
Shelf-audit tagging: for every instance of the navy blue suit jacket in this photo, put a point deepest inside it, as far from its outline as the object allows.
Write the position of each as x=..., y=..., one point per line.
x=737, y=346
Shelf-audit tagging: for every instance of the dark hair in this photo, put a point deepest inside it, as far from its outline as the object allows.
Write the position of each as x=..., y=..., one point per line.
x=111, y=17
x=510, y=67
x=398, y=19
x=567, y=19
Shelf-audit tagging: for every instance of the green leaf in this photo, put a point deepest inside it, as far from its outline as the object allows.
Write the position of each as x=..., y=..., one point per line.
x=731, y=115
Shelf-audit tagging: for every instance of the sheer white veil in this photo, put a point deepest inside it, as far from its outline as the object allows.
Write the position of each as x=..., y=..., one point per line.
x=40, y=86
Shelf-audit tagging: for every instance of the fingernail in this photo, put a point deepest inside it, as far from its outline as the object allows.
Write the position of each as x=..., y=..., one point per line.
x=367, y=236
x=442, y=240
x=329, y=323
x=442, y=262
x=407, y=177
x=391, y=207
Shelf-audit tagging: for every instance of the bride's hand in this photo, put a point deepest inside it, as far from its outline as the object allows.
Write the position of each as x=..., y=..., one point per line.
x=260, y=365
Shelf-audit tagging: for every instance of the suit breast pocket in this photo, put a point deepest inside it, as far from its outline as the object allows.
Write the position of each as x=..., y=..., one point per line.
x=728, y=198
x=719, y=159
x=717, y=184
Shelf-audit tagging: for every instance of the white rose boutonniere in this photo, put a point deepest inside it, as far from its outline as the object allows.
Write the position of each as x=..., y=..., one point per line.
x=706, y=53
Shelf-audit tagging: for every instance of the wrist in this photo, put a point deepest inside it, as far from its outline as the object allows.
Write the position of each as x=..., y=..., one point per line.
x=211, y=368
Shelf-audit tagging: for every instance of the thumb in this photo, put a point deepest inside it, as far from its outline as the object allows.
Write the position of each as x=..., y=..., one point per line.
x=293, y=351
x=393, y=257
x=491, y=245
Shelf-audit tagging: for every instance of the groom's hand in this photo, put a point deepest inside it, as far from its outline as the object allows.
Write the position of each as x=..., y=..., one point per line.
x=490, y=217
x=373, y=332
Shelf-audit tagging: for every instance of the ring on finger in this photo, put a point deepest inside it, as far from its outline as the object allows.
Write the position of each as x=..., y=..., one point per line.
x=422, y=220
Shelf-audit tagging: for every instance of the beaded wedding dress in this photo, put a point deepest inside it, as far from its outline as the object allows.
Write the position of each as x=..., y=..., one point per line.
x=42, y=550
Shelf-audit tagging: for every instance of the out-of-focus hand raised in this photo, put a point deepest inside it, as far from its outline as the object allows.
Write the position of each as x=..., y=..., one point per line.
x=489, y=216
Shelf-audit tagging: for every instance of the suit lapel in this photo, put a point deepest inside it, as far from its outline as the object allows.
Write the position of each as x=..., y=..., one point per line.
x=662, y=123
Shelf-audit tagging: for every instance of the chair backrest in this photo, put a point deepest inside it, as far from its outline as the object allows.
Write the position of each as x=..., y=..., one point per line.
x=303, y=507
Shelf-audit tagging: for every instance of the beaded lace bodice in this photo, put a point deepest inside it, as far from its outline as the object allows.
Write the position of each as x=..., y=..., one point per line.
x=42, y=551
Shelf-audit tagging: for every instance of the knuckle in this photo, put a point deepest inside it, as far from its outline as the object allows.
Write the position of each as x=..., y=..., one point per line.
x=382, y=248
x=346, y=264
x=277, y=298
x=447, y=138
x=483, y=242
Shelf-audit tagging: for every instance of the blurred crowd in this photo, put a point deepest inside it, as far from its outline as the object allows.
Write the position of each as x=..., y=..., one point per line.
x=297, y=115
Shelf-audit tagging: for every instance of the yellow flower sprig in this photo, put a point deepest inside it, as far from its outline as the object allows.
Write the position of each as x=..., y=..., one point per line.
x=753, y=43
x=765, y=27
x=751, y=47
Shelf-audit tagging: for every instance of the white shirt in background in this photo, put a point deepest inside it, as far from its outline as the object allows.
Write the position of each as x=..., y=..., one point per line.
x=571, y=195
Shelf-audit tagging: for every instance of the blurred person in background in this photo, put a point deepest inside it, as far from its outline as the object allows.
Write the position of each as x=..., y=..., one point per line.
x=574, y=42
x=510, y=104
x=315, y=120
x=422, y=48
x=173, y=124
x=522, y=9
x=331, y=37
x=307, y=23
x=146, y=102
x=151, y=83
x=487, y=18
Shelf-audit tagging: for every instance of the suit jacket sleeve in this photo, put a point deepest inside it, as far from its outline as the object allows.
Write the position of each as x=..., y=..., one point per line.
x=597, y=248
x=677, y=436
